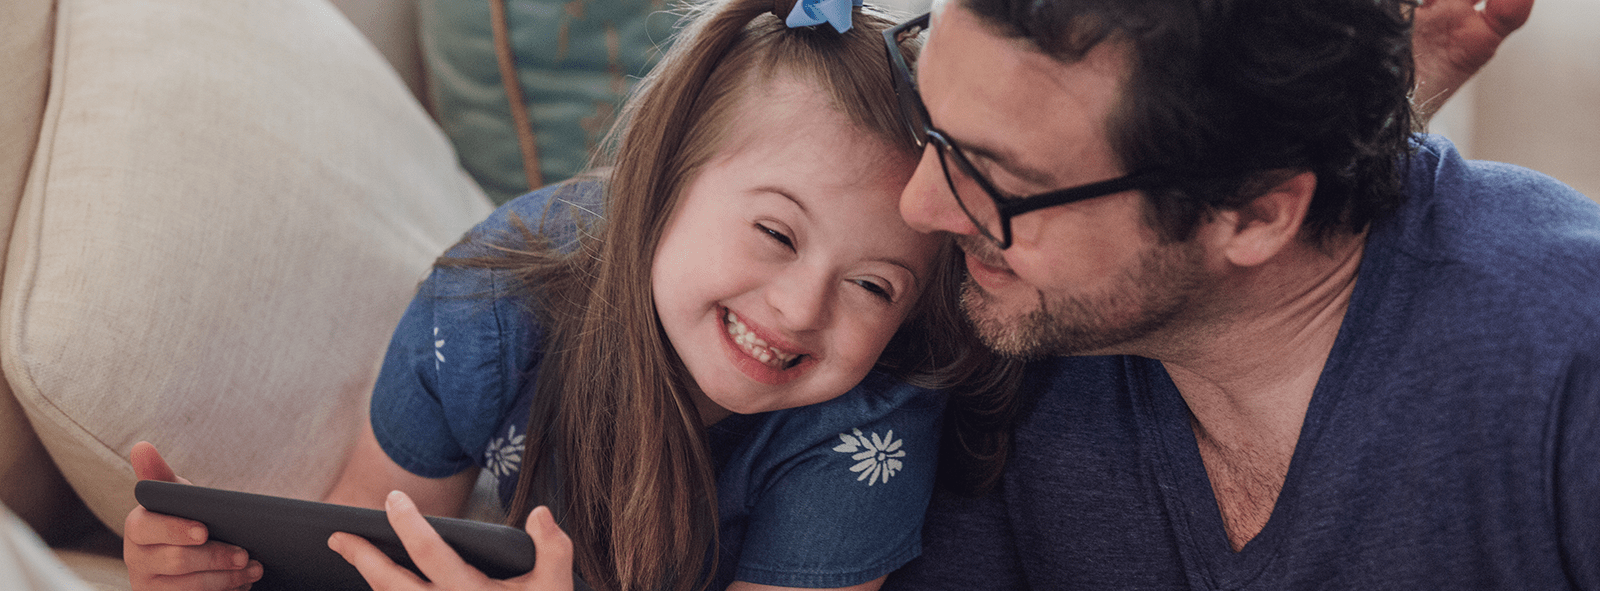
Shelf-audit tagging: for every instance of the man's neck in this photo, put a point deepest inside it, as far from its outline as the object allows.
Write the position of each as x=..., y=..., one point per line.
x=1248, y=370
x=1253, y=362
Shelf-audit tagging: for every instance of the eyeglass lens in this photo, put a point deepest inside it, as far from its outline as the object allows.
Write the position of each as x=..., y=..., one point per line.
x=974, y=201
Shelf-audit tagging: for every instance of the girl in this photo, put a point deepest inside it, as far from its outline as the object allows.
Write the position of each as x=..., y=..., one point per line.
x=719, y=380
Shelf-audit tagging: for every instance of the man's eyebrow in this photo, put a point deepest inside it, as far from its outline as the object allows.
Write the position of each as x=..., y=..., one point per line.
x=1006, y=159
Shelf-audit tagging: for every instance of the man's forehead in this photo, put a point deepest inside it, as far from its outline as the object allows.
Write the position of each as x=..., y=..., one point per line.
x=1003, y=99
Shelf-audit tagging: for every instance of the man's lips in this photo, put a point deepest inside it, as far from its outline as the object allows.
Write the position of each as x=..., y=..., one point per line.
x=986, y=266
x=982, y=249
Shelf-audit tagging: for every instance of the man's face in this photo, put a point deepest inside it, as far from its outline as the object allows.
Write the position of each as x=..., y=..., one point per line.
x=1086, y=277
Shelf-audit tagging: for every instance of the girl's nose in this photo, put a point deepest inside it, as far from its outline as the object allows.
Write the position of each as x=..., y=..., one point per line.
x=804, y=300
x=927, y=203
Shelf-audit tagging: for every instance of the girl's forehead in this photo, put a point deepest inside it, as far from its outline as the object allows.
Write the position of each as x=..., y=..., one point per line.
x=781, y=102
x=796, y=117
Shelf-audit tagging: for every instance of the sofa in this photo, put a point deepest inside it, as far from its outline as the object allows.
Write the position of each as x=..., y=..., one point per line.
x=213, y=213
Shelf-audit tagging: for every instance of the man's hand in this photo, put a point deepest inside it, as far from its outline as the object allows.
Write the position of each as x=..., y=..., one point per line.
x=165, y=552
x=1452, y=39
x=552, y=570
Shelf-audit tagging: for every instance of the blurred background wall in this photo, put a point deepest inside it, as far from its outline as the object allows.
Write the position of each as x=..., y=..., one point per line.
x=1537, y=103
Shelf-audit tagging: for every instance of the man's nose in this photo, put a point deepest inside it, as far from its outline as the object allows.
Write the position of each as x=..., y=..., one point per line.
x=927, y=203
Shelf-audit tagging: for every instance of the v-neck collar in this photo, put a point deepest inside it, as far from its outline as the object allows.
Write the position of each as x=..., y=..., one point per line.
x=1169, y=445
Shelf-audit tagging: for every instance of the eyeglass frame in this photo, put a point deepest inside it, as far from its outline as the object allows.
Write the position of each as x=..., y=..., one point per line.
x=923, y=131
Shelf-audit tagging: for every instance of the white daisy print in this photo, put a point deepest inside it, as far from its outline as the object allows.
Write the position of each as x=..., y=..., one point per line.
x=438, y=349
x=876, y=456
x=504, y=456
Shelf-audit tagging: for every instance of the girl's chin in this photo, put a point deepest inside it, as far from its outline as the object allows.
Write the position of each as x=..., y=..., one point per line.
x=737, y=398
x=738, y=408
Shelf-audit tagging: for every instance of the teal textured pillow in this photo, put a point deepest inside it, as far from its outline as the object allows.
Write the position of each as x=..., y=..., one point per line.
x=576, y=61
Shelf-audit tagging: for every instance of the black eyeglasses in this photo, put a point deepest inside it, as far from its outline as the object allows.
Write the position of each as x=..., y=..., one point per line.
x=991, y=211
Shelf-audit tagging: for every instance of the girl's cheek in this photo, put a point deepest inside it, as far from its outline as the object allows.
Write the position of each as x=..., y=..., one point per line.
x=872, y=336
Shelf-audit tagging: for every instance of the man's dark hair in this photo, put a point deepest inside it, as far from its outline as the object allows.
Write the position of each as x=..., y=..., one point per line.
x=1223, y=93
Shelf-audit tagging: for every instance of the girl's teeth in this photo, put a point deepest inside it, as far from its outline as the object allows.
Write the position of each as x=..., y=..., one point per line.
x=756, y=347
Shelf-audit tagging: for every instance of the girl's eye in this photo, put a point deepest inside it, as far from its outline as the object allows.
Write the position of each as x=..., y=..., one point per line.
x=776, y=235
x=875, y=289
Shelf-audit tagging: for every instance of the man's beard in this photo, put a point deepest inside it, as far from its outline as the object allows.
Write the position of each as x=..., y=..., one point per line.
x=1146, y=298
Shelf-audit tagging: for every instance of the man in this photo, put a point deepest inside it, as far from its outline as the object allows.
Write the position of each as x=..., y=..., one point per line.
x=1277, y=341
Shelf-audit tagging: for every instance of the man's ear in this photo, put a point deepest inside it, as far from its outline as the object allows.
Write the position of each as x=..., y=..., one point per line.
x=1259, y=230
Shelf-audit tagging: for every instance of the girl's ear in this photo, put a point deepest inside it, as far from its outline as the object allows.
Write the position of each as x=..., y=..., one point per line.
x=1254, y=233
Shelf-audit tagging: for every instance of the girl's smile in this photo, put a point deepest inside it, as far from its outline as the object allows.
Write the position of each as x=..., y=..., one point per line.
x=785, y=267
x=775, y=362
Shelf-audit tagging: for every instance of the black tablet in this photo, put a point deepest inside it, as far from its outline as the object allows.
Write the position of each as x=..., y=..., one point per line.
x=290, y=536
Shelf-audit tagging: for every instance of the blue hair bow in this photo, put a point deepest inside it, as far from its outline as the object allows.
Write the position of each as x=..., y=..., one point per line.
x=815, y=12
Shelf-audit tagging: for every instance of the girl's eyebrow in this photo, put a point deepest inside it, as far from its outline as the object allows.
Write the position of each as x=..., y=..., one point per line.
x=786, y=194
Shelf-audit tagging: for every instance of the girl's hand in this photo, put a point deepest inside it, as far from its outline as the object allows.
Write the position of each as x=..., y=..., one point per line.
x=552, y=570
x=165, y=552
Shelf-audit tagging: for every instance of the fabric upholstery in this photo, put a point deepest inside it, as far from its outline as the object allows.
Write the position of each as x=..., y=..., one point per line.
x=30, y=484
x=228, y=209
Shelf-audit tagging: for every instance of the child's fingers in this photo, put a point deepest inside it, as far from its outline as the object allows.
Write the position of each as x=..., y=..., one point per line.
x=149, y=465
x=144, y=527
x=552, y=566
x=436, y=559
x=183, y=560
x=199, y=581
x=165, y=552
x=380, y=572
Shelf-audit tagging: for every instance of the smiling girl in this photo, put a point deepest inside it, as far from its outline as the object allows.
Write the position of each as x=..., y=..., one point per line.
x=709, y=360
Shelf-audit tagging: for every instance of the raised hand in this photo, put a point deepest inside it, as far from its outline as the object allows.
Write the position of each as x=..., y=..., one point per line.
x=552, y=570
x=1452, y=39
x=165, y=552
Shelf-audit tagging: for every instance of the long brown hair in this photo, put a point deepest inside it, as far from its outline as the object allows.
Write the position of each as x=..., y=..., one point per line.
x=615, y=444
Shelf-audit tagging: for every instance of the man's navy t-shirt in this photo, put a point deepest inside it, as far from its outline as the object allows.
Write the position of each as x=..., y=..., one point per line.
x=1452, y=441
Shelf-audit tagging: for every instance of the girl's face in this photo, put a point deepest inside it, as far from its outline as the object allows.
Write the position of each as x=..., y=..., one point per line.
x=786, y=267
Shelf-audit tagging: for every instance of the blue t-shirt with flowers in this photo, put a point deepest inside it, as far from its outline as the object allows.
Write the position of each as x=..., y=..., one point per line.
x=826, y=495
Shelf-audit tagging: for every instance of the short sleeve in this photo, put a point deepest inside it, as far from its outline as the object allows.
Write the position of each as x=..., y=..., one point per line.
x=840, y=493
x=467, y=344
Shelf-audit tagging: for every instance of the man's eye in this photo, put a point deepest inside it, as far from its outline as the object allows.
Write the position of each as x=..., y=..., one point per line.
x=776, y=235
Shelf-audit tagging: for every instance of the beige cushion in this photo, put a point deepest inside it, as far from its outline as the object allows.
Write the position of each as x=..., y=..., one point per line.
x=229, y=208
x=25, y=27
x=29, y=481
